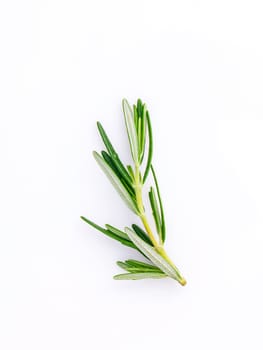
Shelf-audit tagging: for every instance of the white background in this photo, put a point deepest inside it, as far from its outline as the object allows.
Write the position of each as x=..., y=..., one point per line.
x=66, y=64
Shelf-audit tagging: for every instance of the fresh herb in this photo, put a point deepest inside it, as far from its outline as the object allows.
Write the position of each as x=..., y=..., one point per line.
x=129, y=182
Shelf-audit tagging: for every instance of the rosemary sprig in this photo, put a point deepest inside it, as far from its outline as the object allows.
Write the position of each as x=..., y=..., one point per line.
x=129, y=182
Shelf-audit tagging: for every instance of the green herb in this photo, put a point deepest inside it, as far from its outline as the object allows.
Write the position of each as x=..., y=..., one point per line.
x=129, y=182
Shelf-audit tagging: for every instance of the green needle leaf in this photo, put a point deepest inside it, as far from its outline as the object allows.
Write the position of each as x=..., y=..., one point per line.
x=130, y=268
x=143, y=133
x=131, y=130
x=150, y=150
x=125, y=241
x=131, y=172
x=135, y=266
x=163, y=228
x=139, y=107
x=133, y=269
x=115, y=169
x=117, y=231
x=113, y=155
x=135, y=116
x=139, y=276
x=142, y=234
x=155, y=211
x=139, y=129
x=115, y=181
x=123, y=265
x=141, y=264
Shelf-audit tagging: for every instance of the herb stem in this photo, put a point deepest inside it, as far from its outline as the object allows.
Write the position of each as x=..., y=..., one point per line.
x=163, y=253
x=149, y=231
x=138, y=194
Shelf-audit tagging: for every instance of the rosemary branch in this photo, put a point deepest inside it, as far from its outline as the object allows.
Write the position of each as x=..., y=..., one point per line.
x=129, y=183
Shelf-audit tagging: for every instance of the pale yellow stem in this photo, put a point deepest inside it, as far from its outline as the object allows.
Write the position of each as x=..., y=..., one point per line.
x=157, y=246
x=138, y=193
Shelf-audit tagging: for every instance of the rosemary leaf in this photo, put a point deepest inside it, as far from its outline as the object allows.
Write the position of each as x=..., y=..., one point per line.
x=128, y=268
x=139, y=276
x=131, y=131
x=139, y=127
x=117, y=172
x=150, y=149
x=113, y=154
x=135, y=266
x=155, y=212
x=123, y=265
x=163, y=228
x=116, y=182
x=143, y=134
x=131, y=172
x=139, y=107
x=136, y=263
x=125, y=241
x=135, y=116
x=142, y=234
x=116, y=231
